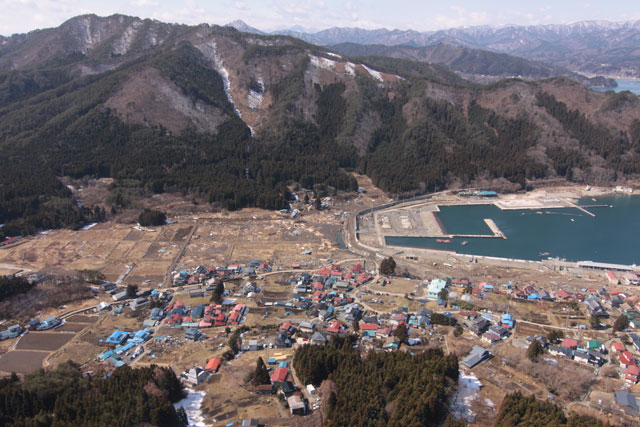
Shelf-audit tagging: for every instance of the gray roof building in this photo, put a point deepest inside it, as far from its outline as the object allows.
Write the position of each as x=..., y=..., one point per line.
x=478, y=355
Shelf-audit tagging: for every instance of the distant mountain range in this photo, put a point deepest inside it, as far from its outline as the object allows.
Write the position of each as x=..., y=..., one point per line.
x=590, y=47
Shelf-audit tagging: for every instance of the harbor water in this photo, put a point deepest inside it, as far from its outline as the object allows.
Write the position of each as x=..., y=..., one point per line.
x=612, y=235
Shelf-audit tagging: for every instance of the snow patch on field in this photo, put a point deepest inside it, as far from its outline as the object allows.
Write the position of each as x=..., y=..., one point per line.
x=468, y=388
x=192, y=406
x=89, y=226
x=373, y=73
x=335, y=55
x=324, y=63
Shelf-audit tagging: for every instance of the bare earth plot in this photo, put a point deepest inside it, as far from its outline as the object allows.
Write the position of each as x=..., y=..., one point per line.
x=44, y=341
x=22, y=362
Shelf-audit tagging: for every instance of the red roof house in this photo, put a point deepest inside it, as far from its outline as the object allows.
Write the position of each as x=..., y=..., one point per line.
x=279, y=375
x=570, y=343
x=213, y=364
x=632, y=374
x=617, y=347
x=369, y=327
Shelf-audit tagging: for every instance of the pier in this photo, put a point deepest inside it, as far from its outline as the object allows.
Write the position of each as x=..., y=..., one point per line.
x=580, y=208
x=494, y=228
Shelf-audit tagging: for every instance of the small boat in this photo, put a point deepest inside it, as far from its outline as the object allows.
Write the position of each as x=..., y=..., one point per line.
x=439, y=240
x=447, y=241
x=573, y=220
x=464, y=243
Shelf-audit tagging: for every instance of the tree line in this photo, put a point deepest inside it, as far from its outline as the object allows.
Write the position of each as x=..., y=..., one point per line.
x=380, y=388
x=63, y=397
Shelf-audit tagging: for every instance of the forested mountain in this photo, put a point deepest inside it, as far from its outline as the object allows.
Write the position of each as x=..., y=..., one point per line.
x=236, y=117
x=590, y=47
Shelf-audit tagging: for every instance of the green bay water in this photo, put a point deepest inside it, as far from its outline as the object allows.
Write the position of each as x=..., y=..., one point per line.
x=612, y=236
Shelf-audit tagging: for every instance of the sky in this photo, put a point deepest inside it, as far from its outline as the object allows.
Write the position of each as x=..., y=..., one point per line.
x=19, y=16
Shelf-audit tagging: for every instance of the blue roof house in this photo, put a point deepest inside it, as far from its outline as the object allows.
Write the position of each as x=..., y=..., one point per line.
x=118, y=337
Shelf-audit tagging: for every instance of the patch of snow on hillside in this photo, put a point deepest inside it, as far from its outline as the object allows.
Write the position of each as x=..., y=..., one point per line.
x=121, y=46
x=323, y=63
x=375, y=74
x=468, y=388
x=192, y=406
x=335, y=55
x=350, y=68
x=210, y=50
x=255, y=98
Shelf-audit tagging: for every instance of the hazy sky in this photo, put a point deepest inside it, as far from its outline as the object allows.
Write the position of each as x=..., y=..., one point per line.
x=17, y=16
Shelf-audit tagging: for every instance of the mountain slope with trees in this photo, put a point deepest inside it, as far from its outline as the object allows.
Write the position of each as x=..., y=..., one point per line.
x=235, y=118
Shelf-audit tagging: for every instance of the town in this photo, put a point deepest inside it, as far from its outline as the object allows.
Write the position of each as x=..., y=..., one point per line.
x=563, y=336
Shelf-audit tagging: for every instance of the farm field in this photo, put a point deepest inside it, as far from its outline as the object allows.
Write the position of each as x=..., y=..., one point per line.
x=44, y=341
x=22, y=362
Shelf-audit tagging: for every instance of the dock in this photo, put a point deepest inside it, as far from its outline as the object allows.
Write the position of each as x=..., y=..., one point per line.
x=580, y=208
x=494, y=228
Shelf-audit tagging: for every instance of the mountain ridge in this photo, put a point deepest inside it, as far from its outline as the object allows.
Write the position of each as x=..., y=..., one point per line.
x=235, y=118
x=576, y=46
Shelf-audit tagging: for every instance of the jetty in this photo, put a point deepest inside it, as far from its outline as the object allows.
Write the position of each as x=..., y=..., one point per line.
x=494, y=228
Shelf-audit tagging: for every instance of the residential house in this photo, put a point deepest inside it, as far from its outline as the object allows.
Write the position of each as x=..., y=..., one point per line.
x=561, y=351
x=279, y=375
x=628, y=403
x=307, y=327
x=612, y=277
x=117, y=337
x=196, y=375
x=213, y=365
x=297, y=405
x=632, y=374
x=490, y=337
x=264, y=389
x=480, y=326
x=435, y=287
x=478, y=355
x=192, y=334
x=570, y=343
x=617, y=347
x=319, y=339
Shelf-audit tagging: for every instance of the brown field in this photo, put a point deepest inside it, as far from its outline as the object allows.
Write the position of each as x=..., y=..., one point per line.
x=79, y=318
x=22, y=362
x=72, y=327
x=44, y=341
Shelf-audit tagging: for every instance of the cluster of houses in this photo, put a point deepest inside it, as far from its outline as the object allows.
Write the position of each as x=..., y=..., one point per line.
x=489, y=327
x=201, y=274
x=628, y=361
x=331, y=278
x=124, y=344
x=593, y=353
x=200, y=316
